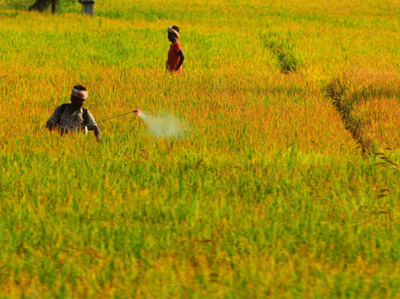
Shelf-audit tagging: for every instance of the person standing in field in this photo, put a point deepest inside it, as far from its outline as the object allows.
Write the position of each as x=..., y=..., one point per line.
x=175, y=54
x=70, y=117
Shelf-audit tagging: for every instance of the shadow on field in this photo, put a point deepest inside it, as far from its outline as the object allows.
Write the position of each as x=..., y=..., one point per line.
x=282, y=48
x=367, y=101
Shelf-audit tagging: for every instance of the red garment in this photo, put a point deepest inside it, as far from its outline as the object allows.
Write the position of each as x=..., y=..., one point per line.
x=173, y=57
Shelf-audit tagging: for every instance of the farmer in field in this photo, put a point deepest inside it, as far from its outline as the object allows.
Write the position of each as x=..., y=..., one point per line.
x=175, y=54
x=72, y=116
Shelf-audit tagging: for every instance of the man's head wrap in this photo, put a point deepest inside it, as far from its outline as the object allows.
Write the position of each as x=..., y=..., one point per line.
x=173, y=30
x=82, y=94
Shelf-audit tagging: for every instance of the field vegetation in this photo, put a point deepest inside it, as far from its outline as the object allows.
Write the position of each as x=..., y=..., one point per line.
x=286, y=185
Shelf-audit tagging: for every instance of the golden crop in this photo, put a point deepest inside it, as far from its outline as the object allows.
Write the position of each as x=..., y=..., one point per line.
x=285, y=185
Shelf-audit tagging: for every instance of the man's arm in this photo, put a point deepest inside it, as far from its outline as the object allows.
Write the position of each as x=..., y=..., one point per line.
x=52, y=121
x=182, y=58
x=90, y=123
x=97, y=133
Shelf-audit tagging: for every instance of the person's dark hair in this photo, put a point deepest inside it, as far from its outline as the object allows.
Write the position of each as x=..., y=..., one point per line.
x=176, y=28
x=79, y=87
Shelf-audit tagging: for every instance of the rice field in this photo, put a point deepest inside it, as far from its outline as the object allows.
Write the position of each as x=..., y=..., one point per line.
x=283, y=185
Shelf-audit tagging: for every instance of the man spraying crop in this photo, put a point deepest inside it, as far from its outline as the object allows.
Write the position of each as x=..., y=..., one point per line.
x=72, y=116
x=175, y=54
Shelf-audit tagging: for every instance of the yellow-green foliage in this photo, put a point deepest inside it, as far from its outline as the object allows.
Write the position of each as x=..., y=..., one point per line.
x=368, y=102
x=268, y=195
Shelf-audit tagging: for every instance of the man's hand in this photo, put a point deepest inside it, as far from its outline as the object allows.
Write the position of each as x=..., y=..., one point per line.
x=63, y=130
x=60, y=129
x=51, y=126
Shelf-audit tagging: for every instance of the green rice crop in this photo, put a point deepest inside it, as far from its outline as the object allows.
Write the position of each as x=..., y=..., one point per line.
x=269, y=196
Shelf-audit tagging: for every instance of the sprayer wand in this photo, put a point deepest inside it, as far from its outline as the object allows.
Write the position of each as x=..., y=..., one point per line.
x=138, y=112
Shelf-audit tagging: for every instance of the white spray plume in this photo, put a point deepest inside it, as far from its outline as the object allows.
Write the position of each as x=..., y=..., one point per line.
x=164, y=125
